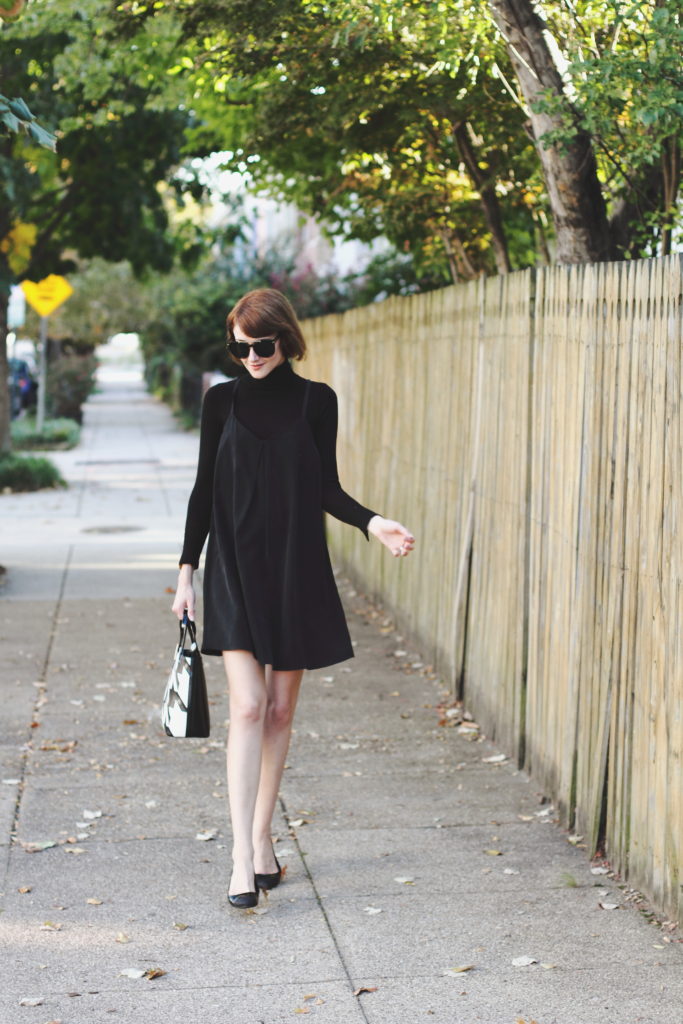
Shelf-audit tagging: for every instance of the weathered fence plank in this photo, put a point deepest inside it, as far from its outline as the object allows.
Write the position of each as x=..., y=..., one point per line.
x=529, y=430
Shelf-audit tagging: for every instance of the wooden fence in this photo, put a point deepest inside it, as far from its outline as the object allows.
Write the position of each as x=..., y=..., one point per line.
x=529, y=430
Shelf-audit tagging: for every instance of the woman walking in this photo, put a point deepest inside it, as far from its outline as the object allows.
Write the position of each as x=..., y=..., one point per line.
x=267, y=470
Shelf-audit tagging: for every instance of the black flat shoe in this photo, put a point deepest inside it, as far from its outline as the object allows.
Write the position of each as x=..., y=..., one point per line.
x=244, y=900
x=271, y=880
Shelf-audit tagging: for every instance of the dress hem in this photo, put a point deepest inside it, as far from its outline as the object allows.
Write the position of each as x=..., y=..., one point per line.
x=311, y=667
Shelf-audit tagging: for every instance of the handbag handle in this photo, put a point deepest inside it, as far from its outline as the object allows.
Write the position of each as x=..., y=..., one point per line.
x=187, y=626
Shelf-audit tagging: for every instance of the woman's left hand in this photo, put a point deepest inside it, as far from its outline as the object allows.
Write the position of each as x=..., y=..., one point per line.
x=394, y=536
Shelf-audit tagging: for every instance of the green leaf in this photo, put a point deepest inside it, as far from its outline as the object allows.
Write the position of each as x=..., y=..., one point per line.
x=648, y=117
x=41, y=136
x=18, y=107
x=10, y=121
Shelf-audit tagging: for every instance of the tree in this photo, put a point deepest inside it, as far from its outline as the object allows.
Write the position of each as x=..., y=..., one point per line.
x=623, y=63
x=570, y=170
x=366, y=116
x=608, y=129
x=99, y=194
x=404, y=118
x=16, y=242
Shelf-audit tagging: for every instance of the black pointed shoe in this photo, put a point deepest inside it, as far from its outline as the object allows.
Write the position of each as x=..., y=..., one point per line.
x=244, y=900
x=271, y=880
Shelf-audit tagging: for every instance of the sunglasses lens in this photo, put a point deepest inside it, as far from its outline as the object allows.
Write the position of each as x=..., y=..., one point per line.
x=265, y=348
x=239, y=349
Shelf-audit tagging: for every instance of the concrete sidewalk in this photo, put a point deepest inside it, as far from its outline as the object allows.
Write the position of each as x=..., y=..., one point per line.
x=418, y=870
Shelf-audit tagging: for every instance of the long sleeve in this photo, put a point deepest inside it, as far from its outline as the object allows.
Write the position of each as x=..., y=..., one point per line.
x=335, y=500
x=199, y=506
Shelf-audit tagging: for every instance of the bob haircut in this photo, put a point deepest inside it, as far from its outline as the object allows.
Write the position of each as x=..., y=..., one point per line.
x=266, y=312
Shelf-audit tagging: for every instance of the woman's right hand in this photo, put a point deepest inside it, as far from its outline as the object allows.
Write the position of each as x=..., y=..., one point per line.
x=184, y=595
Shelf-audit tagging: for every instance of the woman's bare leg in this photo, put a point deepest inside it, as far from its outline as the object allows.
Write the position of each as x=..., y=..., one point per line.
x=283, y=691
x=248, y=701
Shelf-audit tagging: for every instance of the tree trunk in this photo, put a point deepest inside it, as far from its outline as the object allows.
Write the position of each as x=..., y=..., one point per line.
x=489, y=199
x=5, y=438
x=630, y=211
x=570, y=172
x=671, y=179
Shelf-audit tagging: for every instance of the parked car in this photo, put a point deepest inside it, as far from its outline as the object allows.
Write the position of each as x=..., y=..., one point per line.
x=23, y=387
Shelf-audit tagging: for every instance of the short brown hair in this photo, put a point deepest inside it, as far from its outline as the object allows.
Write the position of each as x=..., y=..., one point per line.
x=267, y=311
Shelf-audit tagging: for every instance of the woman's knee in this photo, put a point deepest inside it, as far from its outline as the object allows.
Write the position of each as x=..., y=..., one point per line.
x=249, y=710
x=280, y=713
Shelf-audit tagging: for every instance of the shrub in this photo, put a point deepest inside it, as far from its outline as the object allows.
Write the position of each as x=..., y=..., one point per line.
x=70, y=380
x=24, y=473
x=56, y=434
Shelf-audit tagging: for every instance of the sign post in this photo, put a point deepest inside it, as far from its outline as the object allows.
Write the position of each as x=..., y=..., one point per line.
x=45, y=296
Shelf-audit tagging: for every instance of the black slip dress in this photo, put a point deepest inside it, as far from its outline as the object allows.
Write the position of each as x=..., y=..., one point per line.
x=268, y=581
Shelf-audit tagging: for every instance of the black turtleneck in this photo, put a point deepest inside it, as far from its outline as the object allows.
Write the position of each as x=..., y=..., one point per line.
x=266, y=407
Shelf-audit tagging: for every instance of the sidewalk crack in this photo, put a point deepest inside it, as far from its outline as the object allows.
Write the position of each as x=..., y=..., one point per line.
x=40, y=693
x=324, y=914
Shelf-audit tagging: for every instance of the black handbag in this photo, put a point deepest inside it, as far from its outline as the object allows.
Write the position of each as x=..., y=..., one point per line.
x=185, y=707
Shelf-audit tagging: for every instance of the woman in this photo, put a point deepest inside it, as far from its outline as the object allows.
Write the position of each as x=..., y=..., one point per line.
x=267, y=469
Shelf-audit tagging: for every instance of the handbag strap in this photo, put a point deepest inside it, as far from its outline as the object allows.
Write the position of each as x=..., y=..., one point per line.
x=187, y=626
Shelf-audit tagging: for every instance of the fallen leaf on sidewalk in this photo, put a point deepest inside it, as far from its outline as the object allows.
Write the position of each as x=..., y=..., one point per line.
x=523, y=961
x=50, y=926
x=452, y=971
x=297, y=823
x=94, y=901
x=495, y=759
x=122, y=937
x=92, y=815
x=179, y=926
x=154, y=972
x=25, y=888
x=39, y=846
x=204, y=837
x=63, y=746
x=365, y=988
x=31, y=1002
x=608, y=906
x=132, y=972
x=494, y=853
x=405, y=880
x=373, y=910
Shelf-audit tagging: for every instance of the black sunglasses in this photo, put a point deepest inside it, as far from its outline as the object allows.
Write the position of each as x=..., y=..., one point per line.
x=264, y=347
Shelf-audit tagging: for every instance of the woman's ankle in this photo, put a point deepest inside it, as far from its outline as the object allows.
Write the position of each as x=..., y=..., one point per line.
x=263, y=840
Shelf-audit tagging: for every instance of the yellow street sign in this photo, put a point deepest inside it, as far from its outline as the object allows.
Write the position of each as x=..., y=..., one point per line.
x=47, y=294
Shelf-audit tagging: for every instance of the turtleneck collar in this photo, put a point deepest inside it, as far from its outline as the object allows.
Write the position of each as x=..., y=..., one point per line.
x=277, y=380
